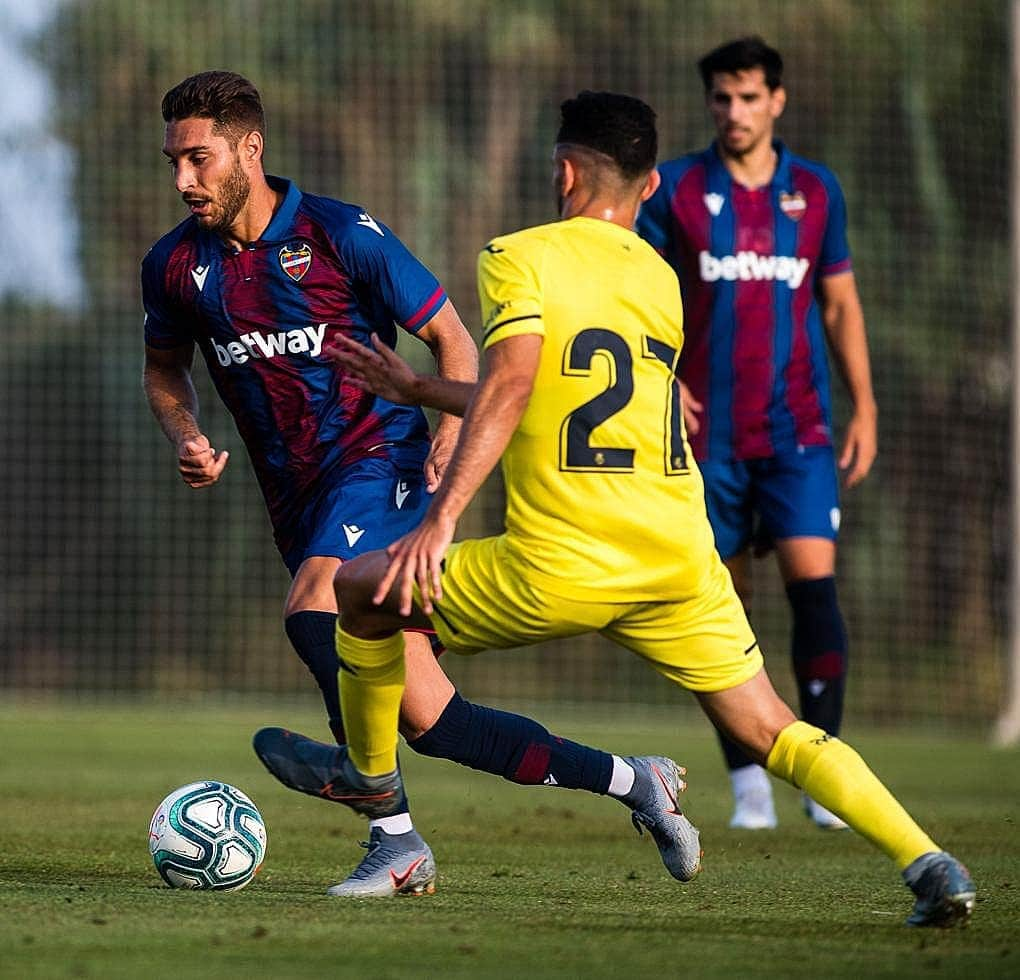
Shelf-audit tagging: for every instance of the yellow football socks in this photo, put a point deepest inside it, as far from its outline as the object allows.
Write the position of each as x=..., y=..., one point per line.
x=370, y=694
x=835, y=776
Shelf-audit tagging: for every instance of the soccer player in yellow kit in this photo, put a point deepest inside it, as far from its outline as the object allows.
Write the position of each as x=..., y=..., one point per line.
x=606, y=527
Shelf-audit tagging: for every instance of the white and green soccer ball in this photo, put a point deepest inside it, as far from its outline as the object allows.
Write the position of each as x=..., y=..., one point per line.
x=207, y=835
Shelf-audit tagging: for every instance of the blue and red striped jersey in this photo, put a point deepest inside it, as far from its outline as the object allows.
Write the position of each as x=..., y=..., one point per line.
x=262, y=316
x=749, y=262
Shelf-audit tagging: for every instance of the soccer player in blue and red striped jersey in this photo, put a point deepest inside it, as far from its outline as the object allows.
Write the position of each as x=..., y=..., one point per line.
x=757, y=236
x=262, y=277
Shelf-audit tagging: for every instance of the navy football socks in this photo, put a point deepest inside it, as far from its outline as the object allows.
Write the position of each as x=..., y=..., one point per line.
x=514, y=747
x=819, y=651
x=313, y=636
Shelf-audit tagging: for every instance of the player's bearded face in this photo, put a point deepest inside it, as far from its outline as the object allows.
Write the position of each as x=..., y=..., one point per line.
x=208, y=172
x=744, y=110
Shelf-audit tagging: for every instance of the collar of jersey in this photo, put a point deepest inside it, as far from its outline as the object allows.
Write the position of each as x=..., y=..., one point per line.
x=609, y=227
x=279, y=227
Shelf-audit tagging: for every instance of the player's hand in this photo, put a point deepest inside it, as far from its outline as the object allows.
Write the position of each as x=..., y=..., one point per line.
x=199, y=464
x=376, y=369
x=859, y=447
x=417, y=558
x=440, y=453
x=692, y=409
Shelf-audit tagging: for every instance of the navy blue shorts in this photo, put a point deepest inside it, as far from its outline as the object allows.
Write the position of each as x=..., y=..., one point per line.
x=790, y=496
x=369, y=506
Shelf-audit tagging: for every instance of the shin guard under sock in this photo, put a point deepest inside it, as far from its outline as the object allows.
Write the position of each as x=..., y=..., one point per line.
x=313, y=635
x=371, y=688
x=514, y=747
x=835, y=776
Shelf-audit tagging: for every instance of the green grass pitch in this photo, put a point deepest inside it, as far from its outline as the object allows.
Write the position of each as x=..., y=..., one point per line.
x=533, y=882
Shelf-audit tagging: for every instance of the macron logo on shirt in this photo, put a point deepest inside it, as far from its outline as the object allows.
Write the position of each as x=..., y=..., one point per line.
x=353, y=533
x=750, y=265
x=304, y=340
x=367, y=221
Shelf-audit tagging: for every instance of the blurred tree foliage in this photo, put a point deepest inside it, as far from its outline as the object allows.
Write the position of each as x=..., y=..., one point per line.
x=438, y=115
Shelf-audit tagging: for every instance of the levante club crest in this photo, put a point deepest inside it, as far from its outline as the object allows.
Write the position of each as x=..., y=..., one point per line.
x=296, y=261
x=793, y=205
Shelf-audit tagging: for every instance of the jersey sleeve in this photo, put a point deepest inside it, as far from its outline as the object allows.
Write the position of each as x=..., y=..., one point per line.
x=835, y=254
x=653, y=222
x=509, y=292
x=408, y=291
x=164, y=328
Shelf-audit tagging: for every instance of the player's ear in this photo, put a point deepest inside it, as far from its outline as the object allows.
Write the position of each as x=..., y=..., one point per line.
x=778, y=101
x=251, y=147
x=565, y=175
x=652, y=182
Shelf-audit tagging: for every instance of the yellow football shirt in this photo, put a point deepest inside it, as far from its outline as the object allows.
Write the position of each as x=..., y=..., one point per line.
x=604, y=499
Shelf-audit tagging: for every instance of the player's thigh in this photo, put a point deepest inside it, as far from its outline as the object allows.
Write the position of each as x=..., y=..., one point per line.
x=489, y=602
x=797, y=494
x=728, y=503
x=703, y=643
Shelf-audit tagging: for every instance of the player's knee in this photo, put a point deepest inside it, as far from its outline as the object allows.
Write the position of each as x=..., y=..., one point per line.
x=353, y=589
x=756, y=728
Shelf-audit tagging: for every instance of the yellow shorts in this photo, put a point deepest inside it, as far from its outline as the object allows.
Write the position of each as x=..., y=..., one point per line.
x=703, y=643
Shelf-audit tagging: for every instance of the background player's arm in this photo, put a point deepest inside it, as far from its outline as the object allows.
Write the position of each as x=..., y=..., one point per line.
x=844, y=324
x=166, y=379
x=491, y=419
x=456, y=361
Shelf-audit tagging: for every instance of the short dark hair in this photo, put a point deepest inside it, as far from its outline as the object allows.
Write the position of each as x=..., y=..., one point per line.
x=229, y=99
x=743, y=54
x=620, y=126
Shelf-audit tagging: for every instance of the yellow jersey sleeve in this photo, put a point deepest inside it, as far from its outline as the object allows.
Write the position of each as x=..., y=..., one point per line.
x=510, y=291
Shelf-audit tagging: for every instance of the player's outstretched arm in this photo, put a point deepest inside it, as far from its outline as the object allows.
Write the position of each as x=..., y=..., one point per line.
x=491, y=419
x=166, y=379
x=844, y=325
x=386, y=374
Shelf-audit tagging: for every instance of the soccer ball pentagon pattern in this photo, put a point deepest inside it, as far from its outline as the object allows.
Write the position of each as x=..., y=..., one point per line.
x=207, y=835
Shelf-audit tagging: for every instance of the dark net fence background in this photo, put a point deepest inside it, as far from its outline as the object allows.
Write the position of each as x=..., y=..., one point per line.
x=438, y=116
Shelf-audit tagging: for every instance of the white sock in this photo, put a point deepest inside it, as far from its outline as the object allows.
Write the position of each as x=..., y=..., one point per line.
x=398, y=823
x=622, y=780
x=751, y=779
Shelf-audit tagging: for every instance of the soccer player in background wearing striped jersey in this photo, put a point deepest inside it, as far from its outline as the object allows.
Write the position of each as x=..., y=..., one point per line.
x=757, y=236
x=261, y=277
